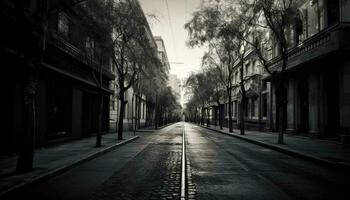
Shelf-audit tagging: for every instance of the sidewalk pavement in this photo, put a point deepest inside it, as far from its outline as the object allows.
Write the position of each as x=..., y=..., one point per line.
x=51, y=161
x=324, y=152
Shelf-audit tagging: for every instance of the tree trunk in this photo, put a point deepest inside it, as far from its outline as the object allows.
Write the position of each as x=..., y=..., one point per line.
x=282, y=99
x=99, y=125
x=230, y=111
x=161, y=116
x=26, y=153
x=215, y=115
x=244, y=99
x=100, y=110
x=221, y=113
x=139, y=113
x=208, y=119
x=133, y=113
x=156, y=113
x=33, y=62
x=202, y=117
x=121, y=115
x=260, y=105
x=241, y=118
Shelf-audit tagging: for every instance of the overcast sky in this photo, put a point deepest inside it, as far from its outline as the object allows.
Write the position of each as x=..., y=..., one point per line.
x=170, y=26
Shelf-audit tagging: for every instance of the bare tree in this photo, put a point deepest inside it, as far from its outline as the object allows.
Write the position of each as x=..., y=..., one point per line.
x=132, y=49
x=278, y=16
x=211, y=25
x=202, y=88
x=213, y=75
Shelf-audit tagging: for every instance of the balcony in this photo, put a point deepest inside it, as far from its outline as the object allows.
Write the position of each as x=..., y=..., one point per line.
x=327, y=41
x=76, y=53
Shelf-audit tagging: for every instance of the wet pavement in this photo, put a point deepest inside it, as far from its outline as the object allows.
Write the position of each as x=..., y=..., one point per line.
x=224, y=167
x=218, y=167
x=147, y=168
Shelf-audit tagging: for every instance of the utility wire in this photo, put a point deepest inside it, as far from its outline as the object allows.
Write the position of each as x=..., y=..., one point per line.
x=186, y=11
x=171, y=26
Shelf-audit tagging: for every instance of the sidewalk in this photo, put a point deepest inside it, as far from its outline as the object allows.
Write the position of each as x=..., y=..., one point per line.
x=320, y=151
x=49, y=162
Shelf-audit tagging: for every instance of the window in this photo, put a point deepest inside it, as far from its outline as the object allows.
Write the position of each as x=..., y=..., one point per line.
x=63, y=24
x=144, y=110
x=89, y=46
x=264, y=85
x=313, y=20
x=298, y=28
x=232, y=107
x=257, y=67
x=236, y=108
x=247, y=69
x=112, y=105
x=246, y=108
x=253, y=104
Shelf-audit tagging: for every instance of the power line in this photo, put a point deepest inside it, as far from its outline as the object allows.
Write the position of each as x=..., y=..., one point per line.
x=186, y=11
x=170, y=24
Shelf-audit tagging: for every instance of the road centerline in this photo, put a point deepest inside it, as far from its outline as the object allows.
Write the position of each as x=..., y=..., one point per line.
x=183, y=165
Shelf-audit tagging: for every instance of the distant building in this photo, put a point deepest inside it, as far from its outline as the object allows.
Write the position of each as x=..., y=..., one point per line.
x=162, y=51
x=175, y=83
x=137, y=113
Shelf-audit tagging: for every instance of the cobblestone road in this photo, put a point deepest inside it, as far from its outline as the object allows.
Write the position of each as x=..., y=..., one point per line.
x=219, y=167
x=155, y=173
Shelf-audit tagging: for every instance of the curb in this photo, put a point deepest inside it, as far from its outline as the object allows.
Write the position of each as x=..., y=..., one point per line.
x=8, y=192
x=305, y=156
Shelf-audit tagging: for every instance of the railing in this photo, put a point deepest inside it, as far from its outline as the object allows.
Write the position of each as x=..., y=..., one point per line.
x=75, y=52
x=325, y=38
x=311, y=43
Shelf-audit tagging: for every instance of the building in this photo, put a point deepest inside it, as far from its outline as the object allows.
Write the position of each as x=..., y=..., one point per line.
x=318, y=72
x=256, y=91
x=67, y=92
x=138, y=112
x=163, y=56
x=317, y=76
x=175, y=83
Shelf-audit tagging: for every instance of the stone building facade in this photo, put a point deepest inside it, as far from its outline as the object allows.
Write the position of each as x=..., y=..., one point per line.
x=139, y=111
x=318, y=76
x=318, y=72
